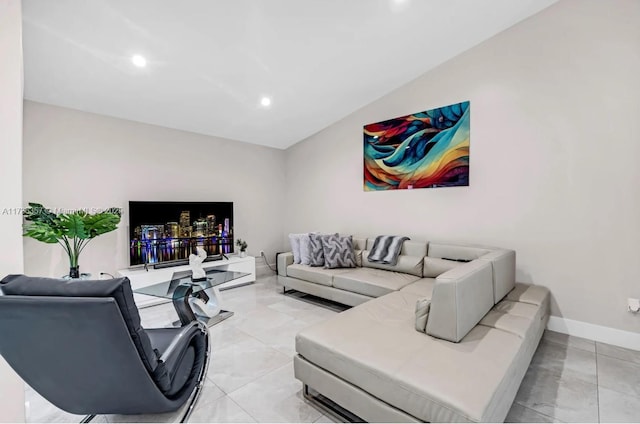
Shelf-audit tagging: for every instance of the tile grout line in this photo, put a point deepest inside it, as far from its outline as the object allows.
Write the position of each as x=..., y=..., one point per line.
x=619, y=359
x=218, y=387
x=259, y=376
x=560, y=343
x=263, y=375
x=539, y=413
x=567, y=345
x=290, y=363
x=227, y=395
x=240, y=406
x=236, y=403
x=597, y=383
x=270, y=372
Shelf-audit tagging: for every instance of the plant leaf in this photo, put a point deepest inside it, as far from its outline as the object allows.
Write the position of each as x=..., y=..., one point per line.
x=42, y=232
x=38, y=213
x=101, y=223
x=72, y=225
x=72, y=230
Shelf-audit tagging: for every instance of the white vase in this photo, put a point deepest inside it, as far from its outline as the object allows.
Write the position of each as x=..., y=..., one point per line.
x=243, y=254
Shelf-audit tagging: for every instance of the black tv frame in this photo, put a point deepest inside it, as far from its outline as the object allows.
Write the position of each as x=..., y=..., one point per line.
x=155, y=241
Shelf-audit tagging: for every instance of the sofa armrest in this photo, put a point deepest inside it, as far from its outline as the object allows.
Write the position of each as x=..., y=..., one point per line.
x=284, y=260
x=461, y=297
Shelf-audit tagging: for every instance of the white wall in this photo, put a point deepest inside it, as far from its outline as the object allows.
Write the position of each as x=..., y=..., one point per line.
x=74, y=159
x=554, y=159
x=11, y=386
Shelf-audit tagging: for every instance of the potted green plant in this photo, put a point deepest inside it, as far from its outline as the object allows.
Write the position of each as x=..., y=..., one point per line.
x=73, y=231
x=243, y=247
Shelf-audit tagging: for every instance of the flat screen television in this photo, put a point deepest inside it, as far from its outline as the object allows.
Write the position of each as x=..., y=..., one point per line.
x=166, y=232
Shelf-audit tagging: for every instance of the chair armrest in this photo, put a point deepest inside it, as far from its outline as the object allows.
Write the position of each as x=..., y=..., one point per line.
x=177, y=344
x=284, y=260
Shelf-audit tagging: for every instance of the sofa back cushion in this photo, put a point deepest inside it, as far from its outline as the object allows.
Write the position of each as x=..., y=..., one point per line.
x=461, y=297
x=410, y=260
x=503, y=263
x=456, y=252
x=433, y=267
x=359, y=244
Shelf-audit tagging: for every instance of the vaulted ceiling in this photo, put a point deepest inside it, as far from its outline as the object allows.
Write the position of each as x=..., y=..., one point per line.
x=210, y=63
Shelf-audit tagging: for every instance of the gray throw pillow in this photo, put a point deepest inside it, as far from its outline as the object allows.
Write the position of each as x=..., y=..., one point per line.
x=316, y=254
x=338, y=251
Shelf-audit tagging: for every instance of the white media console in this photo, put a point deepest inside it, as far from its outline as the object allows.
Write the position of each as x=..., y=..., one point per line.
x=139, y=277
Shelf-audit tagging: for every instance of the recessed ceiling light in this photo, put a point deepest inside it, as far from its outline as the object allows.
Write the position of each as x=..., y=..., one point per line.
x=399, y=5
x=265, y=101
x=139, y=61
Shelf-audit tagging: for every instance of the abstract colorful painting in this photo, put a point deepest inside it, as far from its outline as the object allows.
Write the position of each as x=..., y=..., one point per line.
x=426, y=149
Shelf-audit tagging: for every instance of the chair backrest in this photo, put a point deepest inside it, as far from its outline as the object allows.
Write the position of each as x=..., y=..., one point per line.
x=79, y=343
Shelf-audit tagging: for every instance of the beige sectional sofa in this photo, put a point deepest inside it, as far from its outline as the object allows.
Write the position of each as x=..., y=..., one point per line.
x=481, y=333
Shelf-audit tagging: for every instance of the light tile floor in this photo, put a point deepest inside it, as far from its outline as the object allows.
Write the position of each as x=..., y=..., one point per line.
x=250, y=377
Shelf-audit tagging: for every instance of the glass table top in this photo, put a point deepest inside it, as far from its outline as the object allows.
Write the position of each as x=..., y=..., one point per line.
x=180, y=281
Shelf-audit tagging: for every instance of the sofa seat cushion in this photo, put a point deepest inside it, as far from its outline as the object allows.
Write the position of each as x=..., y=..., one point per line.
x=372, y=282
x=526, y=310
x=514, y=324
x=520, y=310
x=423, y=287
x=375, y=347
x=314, y=274
x=527, y=293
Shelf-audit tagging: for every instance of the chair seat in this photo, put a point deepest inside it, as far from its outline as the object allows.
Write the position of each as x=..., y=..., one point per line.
x=180, y=362
x=161, y=338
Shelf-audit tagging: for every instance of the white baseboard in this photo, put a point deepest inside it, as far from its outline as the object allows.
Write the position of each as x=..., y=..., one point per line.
x=599, y=333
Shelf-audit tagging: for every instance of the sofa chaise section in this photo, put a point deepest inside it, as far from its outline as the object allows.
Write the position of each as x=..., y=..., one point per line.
x=371, y=361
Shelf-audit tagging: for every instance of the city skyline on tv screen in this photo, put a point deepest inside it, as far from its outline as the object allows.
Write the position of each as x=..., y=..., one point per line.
x=170, y=231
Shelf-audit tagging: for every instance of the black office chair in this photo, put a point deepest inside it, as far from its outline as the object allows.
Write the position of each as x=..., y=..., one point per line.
x=79, y=343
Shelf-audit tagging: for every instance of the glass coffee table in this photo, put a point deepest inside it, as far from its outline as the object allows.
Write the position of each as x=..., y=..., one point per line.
x=193, y=300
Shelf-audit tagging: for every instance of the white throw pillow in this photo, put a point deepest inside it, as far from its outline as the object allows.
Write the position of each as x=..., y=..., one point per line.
x=294, y=240
x=305, y=249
